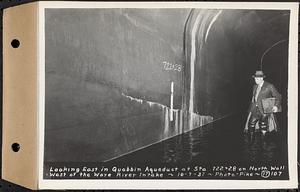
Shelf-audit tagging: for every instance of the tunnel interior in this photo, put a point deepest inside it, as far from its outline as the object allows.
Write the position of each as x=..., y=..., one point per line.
x=108, y=87
x=229, y=46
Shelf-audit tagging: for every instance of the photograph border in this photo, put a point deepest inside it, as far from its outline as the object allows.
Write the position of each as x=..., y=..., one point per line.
x=176, y=183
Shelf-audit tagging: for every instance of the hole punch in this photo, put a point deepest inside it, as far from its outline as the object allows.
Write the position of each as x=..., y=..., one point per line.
x=15, y=147
x=15, y=43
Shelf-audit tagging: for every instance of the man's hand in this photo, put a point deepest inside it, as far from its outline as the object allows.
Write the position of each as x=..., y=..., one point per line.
x=275, y=109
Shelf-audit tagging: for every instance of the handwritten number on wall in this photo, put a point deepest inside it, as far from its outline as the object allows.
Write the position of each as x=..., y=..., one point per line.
x=172, y=67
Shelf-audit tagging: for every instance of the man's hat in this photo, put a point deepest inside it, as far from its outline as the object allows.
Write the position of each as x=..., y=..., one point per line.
x=258, y=74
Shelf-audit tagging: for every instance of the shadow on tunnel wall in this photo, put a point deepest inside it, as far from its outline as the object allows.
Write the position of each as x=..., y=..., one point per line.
x=109, y=74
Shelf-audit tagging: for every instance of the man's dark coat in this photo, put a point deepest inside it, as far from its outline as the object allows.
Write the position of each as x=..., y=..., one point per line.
x=267, y=91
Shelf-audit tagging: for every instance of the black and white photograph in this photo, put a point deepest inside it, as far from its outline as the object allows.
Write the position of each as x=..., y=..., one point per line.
x=164, y=93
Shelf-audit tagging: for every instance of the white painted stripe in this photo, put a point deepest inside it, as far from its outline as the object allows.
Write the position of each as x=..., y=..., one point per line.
x=171, y=103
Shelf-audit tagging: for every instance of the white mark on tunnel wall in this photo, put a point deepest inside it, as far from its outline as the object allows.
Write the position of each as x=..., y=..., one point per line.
x=172, y=67
x=171, y=103
x=174, y=127
x=150, y=103
x=193, y=58
x=133, y=99
x=211, y=23
x=262, y=58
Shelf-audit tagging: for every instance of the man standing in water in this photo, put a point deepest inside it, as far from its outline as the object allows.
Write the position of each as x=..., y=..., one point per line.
x=266, y=121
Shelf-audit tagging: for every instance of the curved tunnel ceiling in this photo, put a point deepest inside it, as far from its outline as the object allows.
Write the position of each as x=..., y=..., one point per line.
x=227, y=50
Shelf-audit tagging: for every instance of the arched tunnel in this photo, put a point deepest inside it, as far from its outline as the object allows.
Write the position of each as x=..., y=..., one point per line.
x=139, y=77
x=223, y=49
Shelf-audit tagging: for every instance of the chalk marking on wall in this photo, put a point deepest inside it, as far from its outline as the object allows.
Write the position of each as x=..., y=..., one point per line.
x=172, y=67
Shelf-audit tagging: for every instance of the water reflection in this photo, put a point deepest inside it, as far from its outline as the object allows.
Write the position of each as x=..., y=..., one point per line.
x=261, y=147
x=221, y=141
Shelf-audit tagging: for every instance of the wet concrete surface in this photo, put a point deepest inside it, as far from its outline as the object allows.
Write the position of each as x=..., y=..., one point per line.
x=221, y=141
x=219, y=147
x=107, y=94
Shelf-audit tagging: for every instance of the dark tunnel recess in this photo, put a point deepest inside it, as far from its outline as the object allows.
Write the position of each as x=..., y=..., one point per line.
x=226, y=48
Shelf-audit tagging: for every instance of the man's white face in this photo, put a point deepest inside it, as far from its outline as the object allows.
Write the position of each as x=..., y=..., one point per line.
x=258, y=80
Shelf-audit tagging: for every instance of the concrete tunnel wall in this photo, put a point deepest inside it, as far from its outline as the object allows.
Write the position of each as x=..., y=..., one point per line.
x=108, y=93
x=229, y=47
x=102, y=66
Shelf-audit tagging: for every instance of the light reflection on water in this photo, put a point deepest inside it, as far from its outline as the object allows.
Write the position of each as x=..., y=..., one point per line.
x=221, y=141
x=186, y=147
x=260, y=148
x=206, y=144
